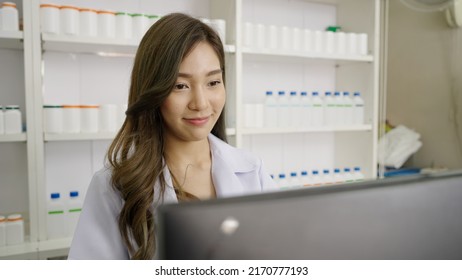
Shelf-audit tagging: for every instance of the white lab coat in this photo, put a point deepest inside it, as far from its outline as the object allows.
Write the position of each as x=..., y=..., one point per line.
x=234, y=172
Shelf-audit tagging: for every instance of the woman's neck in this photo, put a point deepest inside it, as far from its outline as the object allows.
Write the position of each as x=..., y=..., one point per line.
x=190, y=166
x=182, y=153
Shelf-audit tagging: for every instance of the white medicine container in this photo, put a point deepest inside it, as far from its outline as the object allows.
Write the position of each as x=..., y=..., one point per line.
x=9, y=17
x=12, y=119
x=14, y=229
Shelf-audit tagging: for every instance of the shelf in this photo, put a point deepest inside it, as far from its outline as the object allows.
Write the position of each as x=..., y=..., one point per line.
x=20, y=249
x=100, y=46
x=50, y=137
x=13, y=137
x=55, y=244
x=354, y=128
x=34, y=247
x=76, y=44
x=267, y=54
x=11, y=40
x=79, y=136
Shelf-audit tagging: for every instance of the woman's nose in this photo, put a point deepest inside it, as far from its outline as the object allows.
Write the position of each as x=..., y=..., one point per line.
x=199, y=99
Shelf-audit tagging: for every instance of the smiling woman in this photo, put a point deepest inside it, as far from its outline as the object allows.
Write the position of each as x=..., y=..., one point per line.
x=172, y=146
x=197, y=99
x=189, y=113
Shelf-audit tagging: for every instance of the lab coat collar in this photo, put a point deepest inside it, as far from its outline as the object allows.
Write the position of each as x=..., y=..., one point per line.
x=227, y=163
x=236, y=159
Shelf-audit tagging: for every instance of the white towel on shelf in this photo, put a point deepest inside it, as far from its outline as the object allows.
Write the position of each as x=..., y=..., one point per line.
x=396, y=146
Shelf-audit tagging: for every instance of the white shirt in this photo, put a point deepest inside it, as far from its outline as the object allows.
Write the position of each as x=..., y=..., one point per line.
x=235, y=172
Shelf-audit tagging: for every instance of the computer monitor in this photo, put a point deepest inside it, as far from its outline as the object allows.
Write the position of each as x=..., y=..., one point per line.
x=418, y=217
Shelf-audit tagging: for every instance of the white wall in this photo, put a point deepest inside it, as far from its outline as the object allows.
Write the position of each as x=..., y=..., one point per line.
x=424, y=85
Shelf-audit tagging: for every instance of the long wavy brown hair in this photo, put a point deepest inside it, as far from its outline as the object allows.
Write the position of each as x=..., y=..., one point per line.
x=136, y=154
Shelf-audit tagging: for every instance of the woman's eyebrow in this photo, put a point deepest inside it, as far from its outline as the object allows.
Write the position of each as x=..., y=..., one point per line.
x=211, y=73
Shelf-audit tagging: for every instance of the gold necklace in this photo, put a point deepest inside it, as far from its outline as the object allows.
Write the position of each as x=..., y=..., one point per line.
x=175, y=180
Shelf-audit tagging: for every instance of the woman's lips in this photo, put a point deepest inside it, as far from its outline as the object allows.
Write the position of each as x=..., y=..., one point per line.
x=197, y=121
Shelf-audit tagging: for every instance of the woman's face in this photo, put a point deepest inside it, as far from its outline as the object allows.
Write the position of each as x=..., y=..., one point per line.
x=193, y=107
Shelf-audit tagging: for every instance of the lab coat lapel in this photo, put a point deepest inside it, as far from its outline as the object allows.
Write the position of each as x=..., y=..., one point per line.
x=169, y=194
x=227, y=163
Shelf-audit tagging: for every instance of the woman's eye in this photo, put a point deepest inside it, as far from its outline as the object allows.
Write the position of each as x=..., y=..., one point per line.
x=181, y=86
x=215, y=83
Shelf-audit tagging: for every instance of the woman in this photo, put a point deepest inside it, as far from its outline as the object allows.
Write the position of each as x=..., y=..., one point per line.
x=171, y=146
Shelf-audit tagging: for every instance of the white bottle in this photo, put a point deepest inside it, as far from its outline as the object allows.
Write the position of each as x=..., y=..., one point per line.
x=316, y=178
x=249, y=36
x=352, y=43
x=358, y=109
x=271, y=110
x=326, y=177
x=340, y=43
x=2, y=231
x=348, y=176
x=12, y=118
x=272, y=37
x=358, y=175
x=2, y=120
x=53, y=118
x=89, y=118
x=307, y=40
x=347, y=108
x=362, y=44
x=9, y=17
x=107, y=115
x=260, y=36
x=337, y=178
x=88, y=19
x=286, y=38
x=305, y=102
x=294, y=180
x=317, y=109
x=74, y=208
x=124, y=25
x=329, y=40
x=107, y=24
x=338, y=113
x=329, y=109
x=14, y=229
x=295, y=110
x=69, y=20
x=56, y=218
x=305, y=179
x=296, y=39
x=284, y=110
x=49, y=18
x=283, y=182
x=140, y=24
x=318, y=41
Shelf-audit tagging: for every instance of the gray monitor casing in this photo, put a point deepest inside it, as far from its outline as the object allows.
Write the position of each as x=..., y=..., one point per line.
x=413, y=217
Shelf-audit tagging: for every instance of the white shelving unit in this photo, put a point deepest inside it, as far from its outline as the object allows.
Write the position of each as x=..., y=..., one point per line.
x=74, y=70
x=309, y=56
x=279, y=131
x=18, y=187
x=78, y=136
x=13, y=137
x=99, y=46
x=11, y=39
x=264, y=69
x=82, y=136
